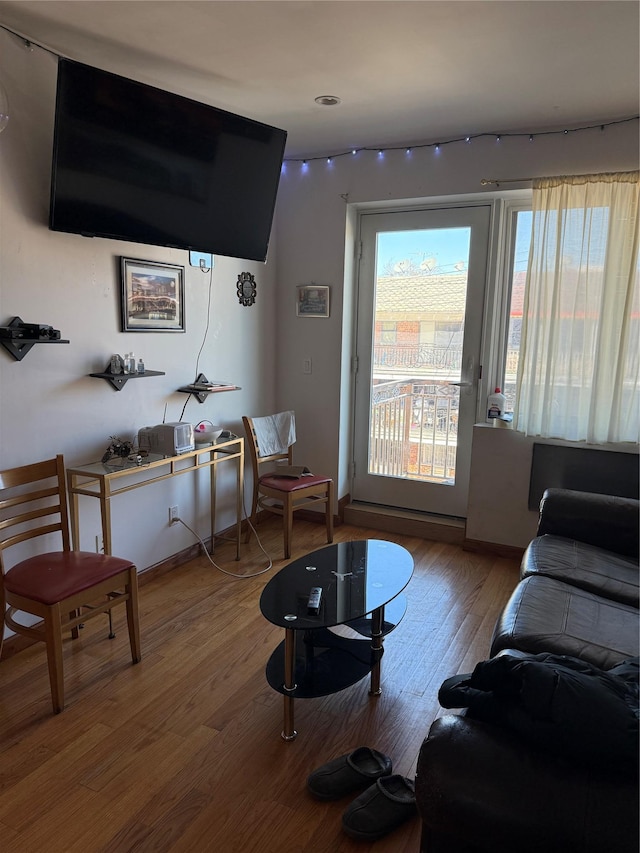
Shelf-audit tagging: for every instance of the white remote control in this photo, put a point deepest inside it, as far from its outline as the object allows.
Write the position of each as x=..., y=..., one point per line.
x=313, y=604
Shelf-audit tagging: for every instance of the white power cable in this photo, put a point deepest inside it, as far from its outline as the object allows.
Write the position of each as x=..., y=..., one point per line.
x=225, y=571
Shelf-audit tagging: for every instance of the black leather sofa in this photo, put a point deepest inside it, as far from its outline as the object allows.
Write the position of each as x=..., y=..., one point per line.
x=482, y=786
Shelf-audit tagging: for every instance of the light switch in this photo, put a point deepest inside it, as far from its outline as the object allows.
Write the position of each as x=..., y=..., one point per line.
x=306, y=365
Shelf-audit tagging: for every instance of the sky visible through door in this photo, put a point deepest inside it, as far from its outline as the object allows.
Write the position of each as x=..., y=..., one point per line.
x=406, y=253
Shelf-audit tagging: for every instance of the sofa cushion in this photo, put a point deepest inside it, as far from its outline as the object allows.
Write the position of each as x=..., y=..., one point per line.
x=546, y=615
x=606, y=521
x=603, y=572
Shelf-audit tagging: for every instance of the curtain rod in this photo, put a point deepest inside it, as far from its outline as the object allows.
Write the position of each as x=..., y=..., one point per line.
x=498, y=181
x=485, y=181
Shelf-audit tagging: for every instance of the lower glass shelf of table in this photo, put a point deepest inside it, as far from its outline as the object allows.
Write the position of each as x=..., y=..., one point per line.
x=324, y=663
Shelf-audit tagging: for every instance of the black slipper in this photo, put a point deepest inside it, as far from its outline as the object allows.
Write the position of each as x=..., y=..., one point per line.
x=348, y=773
x=386, y=804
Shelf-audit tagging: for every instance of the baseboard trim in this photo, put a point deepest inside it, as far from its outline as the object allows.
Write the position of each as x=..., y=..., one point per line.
x=171, y=563
x=405, y=522
x=510, y=552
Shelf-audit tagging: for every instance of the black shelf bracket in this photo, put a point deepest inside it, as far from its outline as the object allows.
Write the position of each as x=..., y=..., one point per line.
x=19, y=347
x=200, y=396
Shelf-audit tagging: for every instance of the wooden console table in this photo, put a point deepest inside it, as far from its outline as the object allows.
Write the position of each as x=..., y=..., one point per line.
x=105, y=480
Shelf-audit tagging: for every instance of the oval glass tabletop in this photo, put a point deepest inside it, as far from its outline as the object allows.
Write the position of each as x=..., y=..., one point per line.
x=355, y=577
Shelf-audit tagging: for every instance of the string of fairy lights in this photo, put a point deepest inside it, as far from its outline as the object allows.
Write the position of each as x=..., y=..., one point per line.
x=380, y=151
x=468, y=139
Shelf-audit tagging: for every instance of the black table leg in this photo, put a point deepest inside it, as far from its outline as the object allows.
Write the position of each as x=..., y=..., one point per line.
x=377, y=621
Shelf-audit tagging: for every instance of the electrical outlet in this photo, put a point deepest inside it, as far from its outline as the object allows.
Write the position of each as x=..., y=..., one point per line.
x=173, y=515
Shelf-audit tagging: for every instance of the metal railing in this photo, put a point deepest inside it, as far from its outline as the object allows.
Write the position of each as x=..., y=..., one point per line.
x=414, y=431
x=416, y=356
x=414, y=420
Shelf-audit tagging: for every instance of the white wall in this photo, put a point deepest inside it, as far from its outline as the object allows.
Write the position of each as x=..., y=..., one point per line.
x=48, y=403
x=316, y=209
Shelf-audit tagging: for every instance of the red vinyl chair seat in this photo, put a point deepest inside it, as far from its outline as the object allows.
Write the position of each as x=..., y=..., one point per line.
x=292, y=484
x=56, y=576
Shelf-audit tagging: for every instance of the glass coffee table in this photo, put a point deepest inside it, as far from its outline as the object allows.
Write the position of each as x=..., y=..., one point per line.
x=361, y=584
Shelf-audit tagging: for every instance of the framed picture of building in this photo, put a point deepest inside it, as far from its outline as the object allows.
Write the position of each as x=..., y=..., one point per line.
x=312, y=300
x=152, y=296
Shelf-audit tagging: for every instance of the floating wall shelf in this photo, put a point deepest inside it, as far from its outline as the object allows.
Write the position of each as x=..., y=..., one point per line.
x=19, y=347
x=119, y=380
x=201, y=388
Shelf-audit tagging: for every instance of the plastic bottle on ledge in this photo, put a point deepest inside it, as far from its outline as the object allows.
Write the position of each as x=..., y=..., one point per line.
x=495, y=405
x=132, y=363
x=125, y=363
x=140, y=367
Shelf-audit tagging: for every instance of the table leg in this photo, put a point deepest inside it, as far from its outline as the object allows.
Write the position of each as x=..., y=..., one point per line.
x=377, y=620
x=212, y=505
x=239, y=499
x=289, y=733
x=105, y=513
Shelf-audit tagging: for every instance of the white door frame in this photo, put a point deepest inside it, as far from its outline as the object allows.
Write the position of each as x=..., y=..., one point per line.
x=403, y=493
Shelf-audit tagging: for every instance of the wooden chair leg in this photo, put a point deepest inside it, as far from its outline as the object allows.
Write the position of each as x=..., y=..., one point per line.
x=133, y=622
x=3, y=610
x=329, y=512
x=287, y=517
x=75, y=631
x=53, y=634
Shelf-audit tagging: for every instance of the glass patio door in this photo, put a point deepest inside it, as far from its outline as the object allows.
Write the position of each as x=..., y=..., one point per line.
x=419, y=324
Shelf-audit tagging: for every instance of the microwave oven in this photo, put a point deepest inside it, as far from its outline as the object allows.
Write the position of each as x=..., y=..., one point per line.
x=169, y=439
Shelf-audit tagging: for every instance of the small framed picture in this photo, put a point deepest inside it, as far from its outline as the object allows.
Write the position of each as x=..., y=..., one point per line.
x=152, y=297
x=312, y=301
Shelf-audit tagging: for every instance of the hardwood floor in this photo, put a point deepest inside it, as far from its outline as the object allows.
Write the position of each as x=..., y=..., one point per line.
x=183, y=753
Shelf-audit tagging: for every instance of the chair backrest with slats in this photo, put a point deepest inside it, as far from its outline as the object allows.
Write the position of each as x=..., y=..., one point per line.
x=33, y=502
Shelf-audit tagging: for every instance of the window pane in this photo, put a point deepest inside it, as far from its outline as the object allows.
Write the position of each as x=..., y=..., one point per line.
x=419, y=316
x=519, y=273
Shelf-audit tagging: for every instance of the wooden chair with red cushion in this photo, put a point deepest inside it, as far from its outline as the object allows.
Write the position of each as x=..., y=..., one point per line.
x=284, y=495
x=62, y=588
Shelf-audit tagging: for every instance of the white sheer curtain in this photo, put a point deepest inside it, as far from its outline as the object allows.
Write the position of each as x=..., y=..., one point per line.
x=578, y=372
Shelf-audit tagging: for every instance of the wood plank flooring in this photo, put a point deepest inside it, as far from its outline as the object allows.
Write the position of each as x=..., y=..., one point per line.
x=183, y=752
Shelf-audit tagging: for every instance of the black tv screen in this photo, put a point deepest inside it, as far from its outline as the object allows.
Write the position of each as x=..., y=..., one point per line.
x=132, y=162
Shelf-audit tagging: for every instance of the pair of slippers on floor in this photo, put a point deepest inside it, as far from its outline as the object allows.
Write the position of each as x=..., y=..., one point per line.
x=388, y=801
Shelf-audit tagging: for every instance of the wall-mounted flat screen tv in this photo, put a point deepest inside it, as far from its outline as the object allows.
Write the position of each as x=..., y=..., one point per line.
x=132, y=162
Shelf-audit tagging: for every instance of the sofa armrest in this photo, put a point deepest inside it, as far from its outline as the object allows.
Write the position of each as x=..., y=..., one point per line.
x=479, y=785
x=606, y=521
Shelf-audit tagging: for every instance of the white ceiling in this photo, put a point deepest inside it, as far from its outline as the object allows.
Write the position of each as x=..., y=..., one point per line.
x=406, y=72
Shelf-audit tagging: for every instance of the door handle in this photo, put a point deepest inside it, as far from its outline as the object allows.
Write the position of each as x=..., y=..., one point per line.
x=466, y=372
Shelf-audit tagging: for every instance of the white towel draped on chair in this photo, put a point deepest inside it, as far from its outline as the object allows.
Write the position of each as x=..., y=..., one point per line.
x=275, y=433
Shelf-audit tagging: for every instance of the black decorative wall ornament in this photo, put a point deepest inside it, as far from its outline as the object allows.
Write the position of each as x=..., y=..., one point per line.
x=246, y=288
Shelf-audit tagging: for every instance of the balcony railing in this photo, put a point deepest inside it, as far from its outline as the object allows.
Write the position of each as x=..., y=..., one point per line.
x=414, y=431
x=416, y=357
x=414, y=420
